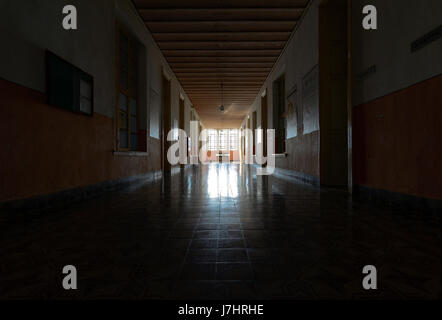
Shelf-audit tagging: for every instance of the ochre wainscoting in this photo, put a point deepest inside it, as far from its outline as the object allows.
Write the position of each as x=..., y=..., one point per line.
x=46, y=149
x=397, y=141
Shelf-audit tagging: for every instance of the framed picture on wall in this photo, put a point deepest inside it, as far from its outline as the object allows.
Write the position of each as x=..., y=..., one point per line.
x=292, y=113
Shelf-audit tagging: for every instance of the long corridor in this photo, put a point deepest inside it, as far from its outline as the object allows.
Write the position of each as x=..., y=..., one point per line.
x=220, y=232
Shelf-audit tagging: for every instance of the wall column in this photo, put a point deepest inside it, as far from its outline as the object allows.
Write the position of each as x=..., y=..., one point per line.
x=333, y=114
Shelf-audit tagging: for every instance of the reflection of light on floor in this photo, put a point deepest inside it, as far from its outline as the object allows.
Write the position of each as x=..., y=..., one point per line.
x=222, y=181
x=233, y=181
x=212, y=182
x=189, y=184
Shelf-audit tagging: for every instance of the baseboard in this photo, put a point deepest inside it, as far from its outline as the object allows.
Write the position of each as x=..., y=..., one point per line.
x=397, y=201
x=66, y=197
x=297, y=176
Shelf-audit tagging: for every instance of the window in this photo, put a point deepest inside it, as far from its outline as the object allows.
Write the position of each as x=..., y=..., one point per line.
x=67, y=86
x=223, y=139
x=155, y=107
x=279, y=114
x=254, y=127
x=234, y=139
x=212, y=140
x=127, y=90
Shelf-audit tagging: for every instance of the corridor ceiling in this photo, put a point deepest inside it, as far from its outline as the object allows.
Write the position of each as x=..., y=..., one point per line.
x=212, y=42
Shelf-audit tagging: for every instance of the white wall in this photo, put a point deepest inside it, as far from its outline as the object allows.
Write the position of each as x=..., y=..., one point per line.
x=400, y=22
x=28, y=28
x=300, y=56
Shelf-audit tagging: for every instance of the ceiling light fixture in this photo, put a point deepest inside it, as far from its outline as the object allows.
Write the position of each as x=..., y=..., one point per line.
x=221, y=108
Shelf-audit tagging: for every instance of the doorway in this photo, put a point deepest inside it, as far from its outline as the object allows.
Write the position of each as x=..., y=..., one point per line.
x=182, y=140
x=333, y=117
x=165, y=123
x=264, y=123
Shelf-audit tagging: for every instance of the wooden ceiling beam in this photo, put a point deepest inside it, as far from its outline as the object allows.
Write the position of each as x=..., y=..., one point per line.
x=222, y=53
x=213, y=109
x=218, y=97
x=229, y=78
x=220, y=65
x=216, y=116
x=221, y=14
x=222, y=36
x=225, y=98
x=225, y=102
x=239, y=84
x=225, y=94
x=216, y=89
x=218, y=93
x=221, y=45
x=214, y=59
x=171, y=4
x=219, y=26
x=240, y=74
x=227, y=85
x=221, y=70
x=189, y=83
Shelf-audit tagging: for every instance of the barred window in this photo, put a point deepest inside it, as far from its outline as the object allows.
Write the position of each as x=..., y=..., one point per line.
x=69, y=87
x=223, y=139
x=127, y=87
x=212, y=140
x=234, y=139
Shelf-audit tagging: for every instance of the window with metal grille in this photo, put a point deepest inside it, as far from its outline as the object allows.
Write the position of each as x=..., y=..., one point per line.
x=127, y=89
x=212, y=136
x=223, y=139
x=68, y=87
x=279, y=114
x=234, y=139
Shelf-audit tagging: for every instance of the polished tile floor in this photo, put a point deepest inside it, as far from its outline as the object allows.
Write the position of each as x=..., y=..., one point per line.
x=221, y=232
